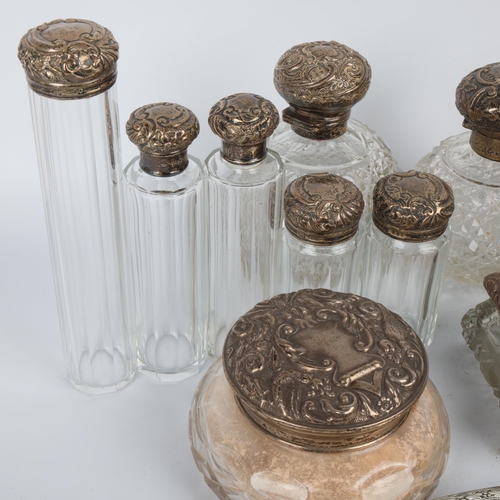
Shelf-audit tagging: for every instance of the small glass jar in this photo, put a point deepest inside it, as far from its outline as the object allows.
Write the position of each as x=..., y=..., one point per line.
x=483, y=494
x=71, y=68
x=321, y=237
x=470, y=164
x=407, y=247
x=321, y=81
x=320, y=395
x=245, y=188
x=481, y=331
x=165, y=224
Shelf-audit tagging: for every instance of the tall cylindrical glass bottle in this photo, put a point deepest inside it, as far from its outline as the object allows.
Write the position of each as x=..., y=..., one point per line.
x=245, y=195
x=71, y=70
x=407, y=247
x=321, y=238
x=166, y=248
x=321, y=81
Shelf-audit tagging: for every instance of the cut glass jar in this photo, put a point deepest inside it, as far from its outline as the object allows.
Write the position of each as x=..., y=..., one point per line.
x=165, y=223
x=71, y=68
x=321, y=237
x=481, y=331
x=470, y=164
x=407, y=247
x=321, y=81
x=320, y=395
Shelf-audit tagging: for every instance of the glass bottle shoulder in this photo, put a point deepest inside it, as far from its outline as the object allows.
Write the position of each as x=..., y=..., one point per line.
x=305, y=248
x=358, y=145
x=175, y=185
x=268, y=170
x=455, y=157
x=407, y=247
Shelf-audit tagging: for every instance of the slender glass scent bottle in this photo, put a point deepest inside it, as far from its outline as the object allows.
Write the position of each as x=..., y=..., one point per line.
x=481, y=331
x=322, y=242
x=407, y=247
x=245, y=195
x=166, y=243
x=321, y=81
x=320, y=395
x=71, y=70
x=470, y=164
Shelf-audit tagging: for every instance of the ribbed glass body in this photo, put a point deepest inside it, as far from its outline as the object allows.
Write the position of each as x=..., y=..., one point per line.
x=335, y=267
x=80, y=168
x=166, y=266
x=245, y=232
x=358, y=155
x=475, y=224
x=406, y=277
x=481, y=331
x=242, y=462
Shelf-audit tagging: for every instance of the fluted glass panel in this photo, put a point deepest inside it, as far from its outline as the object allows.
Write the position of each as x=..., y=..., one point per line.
x=335, y=267
x=166, y=249
x=78, y=153
x=406, y=277
x=245, y=234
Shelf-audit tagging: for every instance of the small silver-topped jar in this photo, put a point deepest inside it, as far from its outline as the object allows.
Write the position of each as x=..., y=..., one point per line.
x=245, y=188
x=407, y=247
x=321, y=237
x=165, y=224
x=320, y=395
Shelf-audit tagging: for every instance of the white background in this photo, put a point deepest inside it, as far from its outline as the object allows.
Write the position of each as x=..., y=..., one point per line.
x=58, y=443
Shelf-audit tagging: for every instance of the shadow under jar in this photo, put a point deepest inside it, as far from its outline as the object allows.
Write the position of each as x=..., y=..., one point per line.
x=320, y=396
x=321, y=81
x=166, y=243
x=71, y=68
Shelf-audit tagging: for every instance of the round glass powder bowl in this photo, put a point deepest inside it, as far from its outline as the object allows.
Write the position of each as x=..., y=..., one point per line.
x=320, y=395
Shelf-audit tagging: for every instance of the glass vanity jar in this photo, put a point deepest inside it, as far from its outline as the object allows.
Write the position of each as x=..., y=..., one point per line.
x=481, y=331
x=322, y=244
x=320, y=395
x=321, y=81
x=245, y=192
x=470, y=164
x=71, y=69
x=407, y=247
x=165, y=226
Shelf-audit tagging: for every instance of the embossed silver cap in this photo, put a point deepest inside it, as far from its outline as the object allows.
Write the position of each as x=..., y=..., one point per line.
x=243, y=122
x=478, y=100
x=412, y=206
x=485, y=493
x=491, y=284
x=162, y=132
x=323, y=370
x=323, y=209
x=321, y=81
x=69, y=58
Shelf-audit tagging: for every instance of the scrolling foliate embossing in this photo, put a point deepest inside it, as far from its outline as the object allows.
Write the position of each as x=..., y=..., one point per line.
x=323, y=209
x=478, y=98
x=162, y=128
x=322, y=358
x=322, y=74
x=69, y=59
